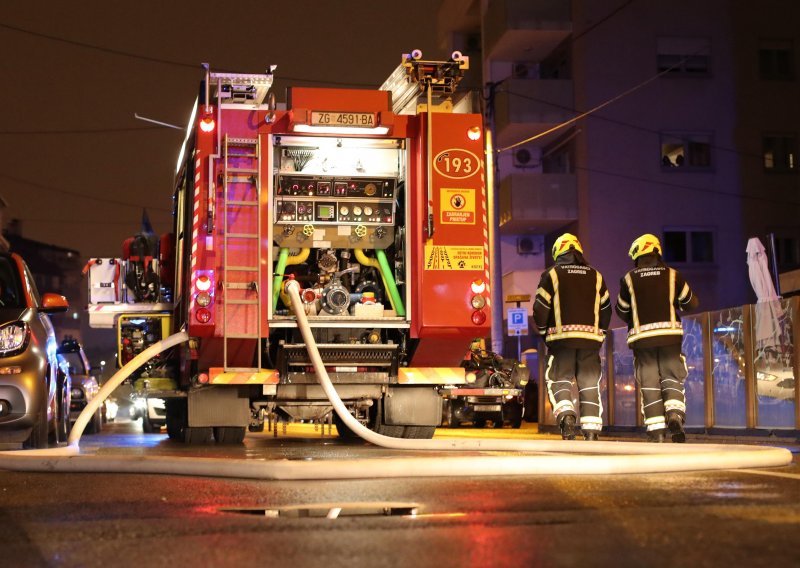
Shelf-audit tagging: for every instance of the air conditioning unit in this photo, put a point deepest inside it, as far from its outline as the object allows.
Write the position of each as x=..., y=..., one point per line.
x=524, y=70
x=522, y=158
x=528, y=245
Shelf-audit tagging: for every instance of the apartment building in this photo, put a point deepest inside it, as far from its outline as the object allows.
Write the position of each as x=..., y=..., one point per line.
x=692, y=133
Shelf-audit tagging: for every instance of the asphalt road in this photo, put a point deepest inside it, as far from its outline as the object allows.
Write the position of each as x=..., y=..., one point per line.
x=724, y=518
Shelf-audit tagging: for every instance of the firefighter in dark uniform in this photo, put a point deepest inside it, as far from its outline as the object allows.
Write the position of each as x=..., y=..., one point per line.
x=572, y=312
x=649, y=300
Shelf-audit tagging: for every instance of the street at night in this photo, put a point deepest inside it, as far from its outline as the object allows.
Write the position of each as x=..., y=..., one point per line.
x=696, y=519
x=360, y=283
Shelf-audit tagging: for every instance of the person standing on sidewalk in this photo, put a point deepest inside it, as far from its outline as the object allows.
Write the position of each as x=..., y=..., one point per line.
x=572, y=312
x=649, y=300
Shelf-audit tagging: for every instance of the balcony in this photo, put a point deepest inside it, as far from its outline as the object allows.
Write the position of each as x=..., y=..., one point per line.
x=537, y=203
x=526, y=107
x=525, y=29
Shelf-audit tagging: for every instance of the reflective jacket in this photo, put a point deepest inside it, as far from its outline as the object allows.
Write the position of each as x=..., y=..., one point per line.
x=572, y=306
x=649, y=299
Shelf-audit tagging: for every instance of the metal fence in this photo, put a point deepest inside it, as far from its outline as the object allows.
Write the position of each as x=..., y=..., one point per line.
x=743, y=368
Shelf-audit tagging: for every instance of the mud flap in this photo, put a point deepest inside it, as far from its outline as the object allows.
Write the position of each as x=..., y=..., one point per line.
x=218, y=406
x=412, y=406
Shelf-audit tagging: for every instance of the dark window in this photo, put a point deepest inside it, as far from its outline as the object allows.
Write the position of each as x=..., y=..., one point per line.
x=11, y=295
x=686, y=150
x=780, y=153
x=689, y=246
x=776, y=60
x=675, y=246
x=684, y=56
x=787, y=253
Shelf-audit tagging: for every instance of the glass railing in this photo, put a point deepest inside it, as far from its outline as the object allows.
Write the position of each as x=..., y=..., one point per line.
x=742, y=366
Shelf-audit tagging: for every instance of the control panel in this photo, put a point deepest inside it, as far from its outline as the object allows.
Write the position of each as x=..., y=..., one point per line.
x=338, y=212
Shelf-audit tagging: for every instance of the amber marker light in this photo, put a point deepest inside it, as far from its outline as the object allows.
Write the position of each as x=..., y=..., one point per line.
x=474, y=133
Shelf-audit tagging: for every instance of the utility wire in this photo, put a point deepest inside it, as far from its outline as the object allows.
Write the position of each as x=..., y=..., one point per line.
x=80, y=195
x=83, y=131
x=635, y=126
x=150, y=59
x=602, y=20
x=688, y=187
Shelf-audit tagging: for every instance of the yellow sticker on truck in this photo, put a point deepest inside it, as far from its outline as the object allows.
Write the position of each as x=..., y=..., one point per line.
x=457, y=206
x=452, y=257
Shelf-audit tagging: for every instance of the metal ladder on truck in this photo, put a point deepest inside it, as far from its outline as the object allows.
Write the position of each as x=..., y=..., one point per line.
x=241, y=308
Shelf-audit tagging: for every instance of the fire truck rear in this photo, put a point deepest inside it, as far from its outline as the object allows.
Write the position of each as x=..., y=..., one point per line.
x=373, y=200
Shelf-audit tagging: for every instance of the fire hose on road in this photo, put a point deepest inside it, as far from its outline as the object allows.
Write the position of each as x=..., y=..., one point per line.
x=551, y=457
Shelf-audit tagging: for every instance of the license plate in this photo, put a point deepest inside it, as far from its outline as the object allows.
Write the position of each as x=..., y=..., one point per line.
x=356, y=119
x=487, y=408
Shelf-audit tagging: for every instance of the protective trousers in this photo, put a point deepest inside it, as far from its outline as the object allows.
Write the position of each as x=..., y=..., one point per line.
x=583, y=365
x=660, y=372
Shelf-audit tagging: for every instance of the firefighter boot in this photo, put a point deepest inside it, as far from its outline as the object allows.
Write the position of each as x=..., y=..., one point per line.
x=675, y=424
x=591, y=435
x=568, y=427
x=656, y=436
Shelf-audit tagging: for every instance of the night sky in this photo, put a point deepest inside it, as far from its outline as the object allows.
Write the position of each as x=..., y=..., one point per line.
x=76, y=166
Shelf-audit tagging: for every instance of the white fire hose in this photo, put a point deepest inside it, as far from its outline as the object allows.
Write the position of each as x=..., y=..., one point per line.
x=562, y=457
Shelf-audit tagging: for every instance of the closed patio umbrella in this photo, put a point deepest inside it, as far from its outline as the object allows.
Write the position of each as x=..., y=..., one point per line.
x=768, y=309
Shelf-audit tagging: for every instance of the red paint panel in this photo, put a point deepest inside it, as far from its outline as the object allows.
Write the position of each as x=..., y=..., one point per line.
x=457, y=254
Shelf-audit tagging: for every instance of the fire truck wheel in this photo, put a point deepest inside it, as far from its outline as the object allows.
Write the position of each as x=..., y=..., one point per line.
x=176, y=418
x=197, y=435
x=229, y=434
x=419, y=432
x=377, y=424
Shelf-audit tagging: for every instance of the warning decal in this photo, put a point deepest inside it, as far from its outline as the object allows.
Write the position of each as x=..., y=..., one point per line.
x=453, y=258
x=458, y=206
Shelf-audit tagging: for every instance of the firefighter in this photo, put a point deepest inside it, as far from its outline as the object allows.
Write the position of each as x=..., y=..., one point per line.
x=649, y=299
x=572, y=312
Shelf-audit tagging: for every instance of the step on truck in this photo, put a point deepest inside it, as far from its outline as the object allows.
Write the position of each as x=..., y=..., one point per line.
x=374, y=201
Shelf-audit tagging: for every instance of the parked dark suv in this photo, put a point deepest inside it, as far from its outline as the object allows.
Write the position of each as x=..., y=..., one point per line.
x=34, y=395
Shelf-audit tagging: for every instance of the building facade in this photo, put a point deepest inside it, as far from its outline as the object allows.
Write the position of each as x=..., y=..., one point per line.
x=691, y=131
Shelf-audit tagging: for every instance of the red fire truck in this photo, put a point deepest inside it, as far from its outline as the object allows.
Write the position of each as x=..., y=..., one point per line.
x=373, y=200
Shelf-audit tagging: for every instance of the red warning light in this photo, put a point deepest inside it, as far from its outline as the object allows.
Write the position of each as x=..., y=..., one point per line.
x=207, y=123
x=204, y=316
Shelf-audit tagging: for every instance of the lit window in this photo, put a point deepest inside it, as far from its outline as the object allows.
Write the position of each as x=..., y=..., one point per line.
x=683, y=56
x=685, y=150
x=688, y=246
x=776, y=60
x=780, y=153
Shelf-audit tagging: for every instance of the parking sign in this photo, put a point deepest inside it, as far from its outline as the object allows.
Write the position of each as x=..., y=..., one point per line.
x=517, y=321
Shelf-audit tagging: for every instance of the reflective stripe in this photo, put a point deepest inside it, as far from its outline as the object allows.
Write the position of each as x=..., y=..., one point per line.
x=684, y=293
x=556, y=300
x=623, y=304
x=658, y=426
x=574, y=335
x=629, y=282
x=672, y=296
x=597, y=287
x=605, y=297
x=561, y=406
x=673, y=404
x=544, y=294
x=654, y=333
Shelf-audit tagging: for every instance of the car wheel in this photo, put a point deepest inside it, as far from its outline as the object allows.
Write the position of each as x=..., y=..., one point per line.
x=38, y=437
x=61, y=425
x=97, y=422
x=497, y=421
x=176, y=418
x=148, y=427
x=514, y=410
x=479, y=422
